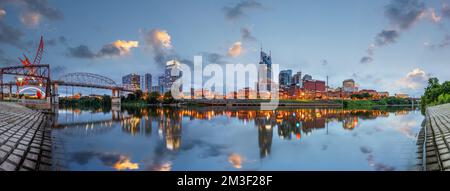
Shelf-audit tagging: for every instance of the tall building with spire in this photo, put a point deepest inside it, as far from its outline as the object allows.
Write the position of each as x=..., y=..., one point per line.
x=265, y=75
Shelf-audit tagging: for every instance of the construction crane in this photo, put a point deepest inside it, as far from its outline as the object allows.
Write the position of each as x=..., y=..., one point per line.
x=32, y=71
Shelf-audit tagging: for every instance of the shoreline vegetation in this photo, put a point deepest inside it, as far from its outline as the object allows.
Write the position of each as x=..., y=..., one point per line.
x=435, y=94
x=154, y=99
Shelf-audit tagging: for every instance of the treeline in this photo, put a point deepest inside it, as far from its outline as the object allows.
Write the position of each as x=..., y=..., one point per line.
x=87, y=102
x=140, y=98
x=389, y=101
x=435, y=93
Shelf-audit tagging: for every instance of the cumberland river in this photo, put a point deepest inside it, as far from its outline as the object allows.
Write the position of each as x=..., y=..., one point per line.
x=238, y=139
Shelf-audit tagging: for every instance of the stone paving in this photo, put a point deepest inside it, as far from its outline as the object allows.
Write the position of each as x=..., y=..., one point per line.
x=25, y=139
x=434, y=139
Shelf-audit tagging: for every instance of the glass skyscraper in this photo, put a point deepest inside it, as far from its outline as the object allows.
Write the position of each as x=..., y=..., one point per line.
x=265, y=72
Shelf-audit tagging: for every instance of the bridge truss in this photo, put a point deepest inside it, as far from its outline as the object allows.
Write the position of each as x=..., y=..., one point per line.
x=89, y=80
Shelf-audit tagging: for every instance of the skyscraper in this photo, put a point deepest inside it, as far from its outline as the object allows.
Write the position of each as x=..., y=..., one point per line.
x=148, y=82
x=265, y=71
x=161, y=83
x=132, y=81
x=285, y=77
x=166, y=81
x=297, y=79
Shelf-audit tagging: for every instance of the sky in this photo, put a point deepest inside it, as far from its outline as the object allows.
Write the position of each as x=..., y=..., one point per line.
x=387, y=45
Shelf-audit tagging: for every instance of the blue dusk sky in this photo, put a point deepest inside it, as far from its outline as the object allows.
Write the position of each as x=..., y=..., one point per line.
x=392, y=45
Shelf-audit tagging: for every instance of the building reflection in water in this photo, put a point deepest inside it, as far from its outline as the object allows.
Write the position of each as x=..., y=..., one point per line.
x=291, y=124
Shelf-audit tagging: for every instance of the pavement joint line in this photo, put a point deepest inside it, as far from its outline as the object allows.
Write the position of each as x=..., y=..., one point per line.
x=23, y=135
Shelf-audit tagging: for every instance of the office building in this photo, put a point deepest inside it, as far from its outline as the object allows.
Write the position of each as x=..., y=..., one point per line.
x=132, y=82
x=265, y=71
x=166, y=81
x=147, y=82
x=285, y=77
x=314, y=85
x=349, y=85
x=297, y=79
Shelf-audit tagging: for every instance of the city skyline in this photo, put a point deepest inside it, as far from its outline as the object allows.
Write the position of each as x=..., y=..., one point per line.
x=383, y=45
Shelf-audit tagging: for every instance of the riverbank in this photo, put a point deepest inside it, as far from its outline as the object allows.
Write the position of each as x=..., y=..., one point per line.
x=434, y=139
x=348, y=104
x=25, y=139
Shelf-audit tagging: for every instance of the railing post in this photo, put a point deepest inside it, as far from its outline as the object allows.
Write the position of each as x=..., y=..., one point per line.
x=1, y=84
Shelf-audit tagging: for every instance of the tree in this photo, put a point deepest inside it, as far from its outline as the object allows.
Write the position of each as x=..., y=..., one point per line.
x=131, y=97
x=138, y=94
x=106, y=99
x=168, y=99
x=435, y=93
x=153, y=98
x=361, y=96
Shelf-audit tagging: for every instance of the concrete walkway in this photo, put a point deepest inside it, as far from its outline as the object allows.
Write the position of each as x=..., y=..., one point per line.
x=25, y=139
x=434, y=155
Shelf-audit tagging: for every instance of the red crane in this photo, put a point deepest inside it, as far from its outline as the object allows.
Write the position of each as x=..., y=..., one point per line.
x=32, y=71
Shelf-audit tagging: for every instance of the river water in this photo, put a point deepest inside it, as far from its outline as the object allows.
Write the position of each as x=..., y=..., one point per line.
x=238, y=139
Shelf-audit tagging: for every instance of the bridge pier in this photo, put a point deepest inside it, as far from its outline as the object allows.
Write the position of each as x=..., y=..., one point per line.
x=55, y=94
x=115, y=97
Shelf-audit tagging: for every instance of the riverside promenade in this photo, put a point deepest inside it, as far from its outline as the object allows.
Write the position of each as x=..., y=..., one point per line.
x=25, y=139
x=434, y=140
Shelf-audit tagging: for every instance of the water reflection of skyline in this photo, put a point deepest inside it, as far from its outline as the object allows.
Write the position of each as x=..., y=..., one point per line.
x=291, y=124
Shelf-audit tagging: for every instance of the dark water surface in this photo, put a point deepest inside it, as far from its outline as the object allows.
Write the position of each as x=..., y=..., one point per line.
x=241, y=139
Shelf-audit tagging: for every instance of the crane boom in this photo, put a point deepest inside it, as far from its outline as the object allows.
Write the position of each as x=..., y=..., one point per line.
x=39, y=52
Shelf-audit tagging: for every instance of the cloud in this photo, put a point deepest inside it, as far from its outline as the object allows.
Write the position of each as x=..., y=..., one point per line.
x=377, y=165
x=367, y=79
x=32, y=11
x=213, y=58
x=404, y=13
x=35, y=9
x=366, y=59
x=386, y=37
x=434, y=17
x=445, y=11
x=414, y=80
x=124, y=163
x=235, y=50
x=235, y=160
x=159, y=39
x=57, y=71
x=238, y=11
x=55, y=41
x=114, y=160
x=365, y=149
x=441, y=45
x=246, y=34
x=10, y=35
x=5, y=60
x=165, y=166
x=160, y=44
x=125, y=46
x=81, y=51
x=117, y=48
x=30, y=19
